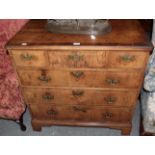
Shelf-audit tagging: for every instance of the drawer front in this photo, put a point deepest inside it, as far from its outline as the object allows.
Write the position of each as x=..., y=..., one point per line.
x=79, y=78
x=62, y=113
x=27, y=58
x=77, y=59
x=81, y=113
x=60, y=96
x=126, y=59
x=104, y=114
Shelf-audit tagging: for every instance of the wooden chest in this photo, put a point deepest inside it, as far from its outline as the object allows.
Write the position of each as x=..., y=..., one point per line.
x=94, y=84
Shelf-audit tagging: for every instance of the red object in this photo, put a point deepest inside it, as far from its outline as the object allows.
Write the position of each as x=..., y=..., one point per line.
x=11, y=102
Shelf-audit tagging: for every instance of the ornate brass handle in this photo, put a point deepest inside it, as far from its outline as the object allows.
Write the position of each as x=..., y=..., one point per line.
x=75, y=57
x=27, y=57
x=79, y=109
x=77, y=92
x=110, y=99
x=52, y=112
x=77, y=74
x=47, y=96
x=44, y=78
x=127, y=58
x=112, y=81
x=107, y=115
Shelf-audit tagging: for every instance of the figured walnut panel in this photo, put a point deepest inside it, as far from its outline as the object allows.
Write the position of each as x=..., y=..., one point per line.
x=127, y=59
x=77, y=59
x=29, y=58
x=62, y=113
x=86, y=78
x=81, y=113
x=61, y=96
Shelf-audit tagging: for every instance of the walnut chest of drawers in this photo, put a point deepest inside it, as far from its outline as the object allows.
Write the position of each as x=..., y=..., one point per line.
x=94, y=84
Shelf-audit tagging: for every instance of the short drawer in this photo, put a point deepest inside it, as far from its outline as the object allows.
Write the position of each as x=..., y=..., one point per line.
x=126, y=59
x=61, y=96
x=80, y=78
x=27, y=58
x=81, y=113
x=77, y=59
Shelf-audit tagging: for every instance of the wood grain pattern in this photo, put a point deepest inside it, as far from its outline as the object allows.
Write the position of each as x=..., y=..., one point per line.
x=89, y=78
x=77, y=59
x=124, y=33
x=127, y=59
x=80, y=59
x=29, y=58
x=62, y=96
x=81, y=113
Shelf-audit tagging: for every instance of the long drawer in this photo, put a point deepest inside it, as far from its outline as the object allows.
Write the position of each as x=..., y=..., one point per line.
x=61, y=96
x=81, y=113
x=80, y=78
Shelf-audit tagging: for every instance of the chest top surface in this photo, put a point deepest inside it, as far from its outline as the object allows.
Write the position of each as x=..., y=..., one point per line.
x=125, y=33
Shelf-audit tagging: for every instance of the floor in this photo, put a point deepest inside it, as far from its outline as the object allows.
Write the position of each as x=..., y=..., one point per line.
x=9, y=128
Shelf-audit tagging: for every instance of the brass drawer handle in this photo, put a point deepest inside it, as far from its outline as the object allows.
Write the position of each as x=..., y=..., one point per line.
x=77, y=74
x=112, y=81
x=107, y=115
x=79, y=109
x=75, y=57
x=127, y=58
x=110, y=99
x=26, y=57
x=52, y=112
x=47, y=96
x=77, y=92
x=44, y=78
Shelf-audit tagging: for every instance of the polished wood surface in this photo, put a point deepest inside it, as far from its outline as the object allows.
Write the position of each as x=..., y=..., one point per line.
x=30, y=58
x=89, y=78
x=127, y=59
x=94, y=84
x=124, y=33
x=81, y=113
x=77, y=59
x=77, y=96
